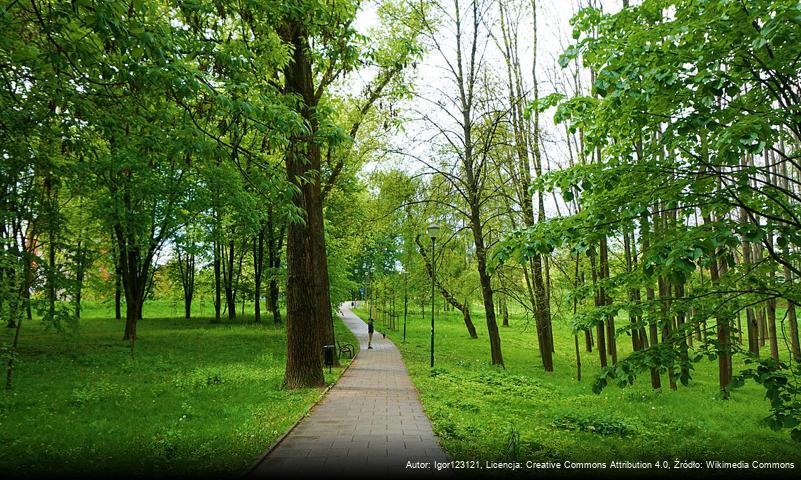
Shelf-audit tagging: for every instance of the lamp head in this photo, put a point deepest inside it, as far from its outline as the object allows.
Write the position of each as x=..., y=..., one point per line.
x=433, y=230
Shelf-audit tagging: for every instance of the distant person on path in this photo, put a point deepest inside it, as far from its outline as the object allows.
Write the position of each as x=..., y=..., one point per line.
x=370, y=331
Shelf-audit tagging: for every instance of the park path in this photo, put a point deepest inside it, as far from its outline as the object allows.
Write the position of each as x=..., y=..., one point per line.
x=370, y=422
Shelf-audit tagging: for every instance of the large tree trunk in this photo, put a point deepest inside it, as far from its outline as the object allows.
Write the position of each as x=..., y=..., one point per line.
x=320, y=257
x=304, y=320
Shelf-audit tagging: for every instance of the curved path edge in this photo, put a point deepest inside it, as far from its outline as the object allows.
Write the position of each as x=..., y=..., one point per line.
x=369, y=422
x=253, y=467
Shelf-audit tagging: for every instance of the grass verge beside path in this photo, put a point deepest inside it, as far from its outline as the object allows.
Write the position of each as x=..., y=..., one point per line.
x=196, y=397
x=482, y=412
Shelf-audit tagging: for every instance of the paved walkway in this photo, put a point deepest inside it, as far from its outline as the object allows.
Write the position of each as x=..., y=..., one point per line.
x=371, y=421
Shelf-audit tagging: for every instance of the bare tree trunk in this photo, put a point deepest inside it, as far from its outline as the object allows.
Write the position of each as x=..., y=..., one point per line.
x=605, y=300
x=645, y=233
x=228, y=279
x=447, y=295
x=275, y=240
x=575, y=309
x=258, y=272
x=80, y=267
x=716, y=269
x=599, y=326
x=217, y=269
x=751, y=319
x=117, y=277
x=504, y=311
x=186, y=268
x=685, y=334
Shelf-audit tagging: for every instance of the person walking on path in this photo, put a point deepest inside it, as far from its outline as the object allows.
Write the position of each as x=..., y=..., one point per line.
x=369, y=425
x=370, y=330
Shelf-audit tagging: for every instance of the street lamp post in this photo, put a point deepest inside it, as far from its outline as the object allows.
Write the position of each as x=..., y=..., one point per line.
x=405, y=301
x=433, y=232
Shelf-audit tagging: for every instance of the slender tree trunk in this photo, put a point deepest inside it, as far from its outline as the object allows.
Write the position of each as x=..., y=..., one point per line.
x=51, y=276
x=217, y=270
x=486, y=287
x=15, y=287
x=504, y=311
x=135, y=271
x=186, y=267
x=606, y=300
x=635, y=342
x=80, y=266
x=684, y=334
x=52, y=246
x=275, y=239
x=792, y=326
x=189, y=287
x=228, y=279
x=599, y=326
x=447, y=295
x=645, y=232
x=575, y=309
x=665, y=320
x=258, y=270
x=716, y=270
x=751, y=319
x=10, y=362
x=117, y=281
x=792, y=320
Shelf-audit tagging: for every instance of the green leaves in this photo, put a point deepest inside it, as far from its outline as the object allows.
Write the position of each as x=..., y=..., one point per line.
x=544, y=103
x=782, y=389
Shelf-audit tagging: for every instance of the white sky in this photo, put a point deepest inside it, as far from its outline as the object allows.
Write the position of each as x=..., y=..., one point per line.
x=433, y=83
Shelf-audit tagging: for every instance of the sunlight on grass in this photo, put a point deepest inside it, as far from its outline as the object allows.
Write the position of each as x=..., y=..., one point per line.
x=195, y=397
x=476, y=408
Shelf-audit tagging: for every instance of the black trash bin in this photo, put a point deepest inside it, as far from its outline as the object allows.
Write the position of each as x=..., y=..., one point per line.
x=328, y=356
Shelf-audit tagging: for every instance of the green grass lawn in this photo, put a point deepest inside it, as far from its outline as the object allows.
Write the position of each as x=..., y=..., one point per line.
x=478, y=410
x=195, y=397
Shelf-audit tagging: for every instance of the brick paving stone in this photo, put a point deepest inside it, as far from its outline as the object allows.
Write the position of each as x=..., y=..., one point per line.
x=370, y=422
